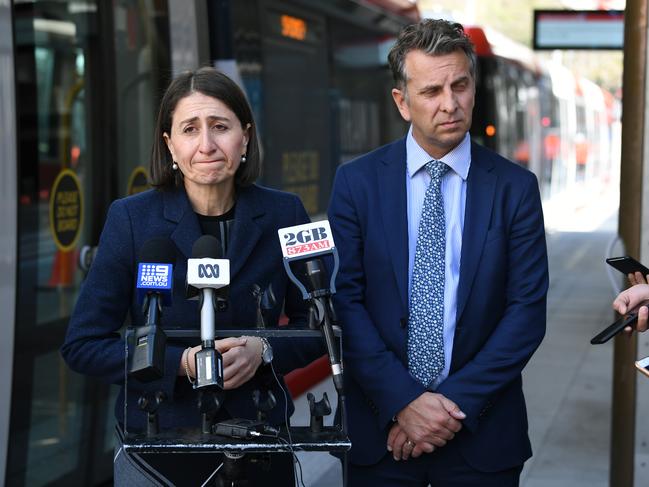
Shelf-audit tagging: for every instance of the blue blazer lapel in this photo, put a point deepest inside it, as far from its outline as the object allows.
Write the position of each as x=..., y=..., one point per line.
x=481, y=185
x=391, y=177
x=178, y=210
x=246, y=231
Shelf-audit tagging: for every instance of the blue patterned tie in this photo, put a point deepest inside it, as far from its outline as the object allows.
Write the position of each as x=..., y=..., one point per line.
x=426, y=317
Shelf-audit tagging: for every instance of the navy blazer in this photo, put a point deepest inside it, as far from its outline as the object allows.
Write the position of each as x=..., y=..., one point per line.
x=93, y=344
x=501, y=303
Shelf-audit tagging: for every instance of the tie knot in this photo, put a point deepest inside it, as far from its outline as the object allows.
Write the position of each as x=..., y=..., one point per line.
x=436, y=169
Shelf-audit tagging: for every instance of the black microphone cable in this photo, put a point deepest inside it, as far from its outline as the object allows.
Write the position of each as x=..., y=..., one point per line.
x=212, y=475
x=289, y=443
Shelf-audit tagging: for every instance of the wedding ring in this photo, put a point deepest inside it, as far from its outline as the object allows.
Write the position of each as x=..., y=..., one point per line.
x=410, y=443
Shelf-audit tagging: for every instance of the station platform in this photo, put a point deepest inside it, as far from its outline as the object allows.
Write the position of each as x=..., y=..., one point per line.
x=568, y=382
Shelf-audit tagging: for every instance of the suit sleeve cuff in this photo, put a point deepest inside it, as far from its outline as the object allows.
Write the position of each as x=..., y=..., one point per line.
x=400, y=400
x=473, y=411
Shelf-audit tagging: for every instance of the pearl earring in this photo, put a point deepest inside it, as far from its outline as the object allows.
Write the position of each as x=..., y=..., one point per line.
x=243, y=159
x=174, y=166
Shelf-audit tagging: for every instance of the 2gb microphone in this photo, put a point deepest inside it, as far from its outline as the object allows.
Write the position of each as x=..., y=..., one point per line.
x=302, y=246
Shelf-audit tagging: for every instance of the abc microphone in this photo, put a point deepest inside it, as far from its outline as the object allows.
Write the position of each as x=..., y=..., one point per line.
x=154, y=289
x=206, y=273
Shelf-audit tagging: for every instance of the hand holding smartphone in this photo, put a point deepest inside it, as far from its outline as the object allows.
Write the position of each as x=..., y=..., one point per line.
x=627, y=265
x=643, y=366
x=614, y=329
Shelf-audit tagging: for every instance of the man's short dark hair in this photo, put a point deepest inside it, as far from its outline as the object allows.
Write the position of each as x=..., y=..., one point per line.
x=210, y=82
x=433, y=37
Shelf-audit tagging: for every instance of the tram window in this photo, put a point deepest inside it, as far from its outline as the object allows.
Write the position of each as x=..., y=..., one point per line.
x=47, y=415
x=61, y=424
x=141, y=74
x=366, y=116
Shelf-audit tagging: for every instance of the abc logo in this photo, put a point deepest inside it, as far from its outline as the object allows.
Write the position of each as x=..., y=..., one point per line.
x=208, y=271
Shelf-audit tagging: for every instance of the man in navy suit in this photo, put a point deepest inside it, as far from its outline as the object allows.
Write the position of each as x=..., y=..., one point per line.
x=465, y=423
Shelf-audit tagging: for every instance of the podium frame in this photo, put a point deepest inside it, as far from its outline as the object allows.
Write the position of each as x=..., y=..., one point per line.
x=193, y=440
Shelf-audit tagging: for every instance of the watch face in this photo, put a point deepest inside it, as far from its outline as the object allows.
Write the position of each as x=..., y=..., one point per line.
x=267, y=352
x=267, y=356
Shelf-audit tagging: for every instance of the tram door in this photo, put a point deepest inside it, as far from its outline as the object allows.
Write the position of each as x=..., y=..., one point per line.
x=296, y=85
x=87, y=82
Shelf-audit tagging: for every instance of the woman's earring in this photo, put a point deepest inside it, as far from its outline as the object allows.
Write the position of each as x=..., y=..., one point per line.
x=243, y=159
x=174, y=166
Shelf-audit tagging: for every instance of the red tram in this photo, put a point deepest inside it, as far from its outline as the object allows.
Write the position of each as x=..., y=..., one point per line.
x=538, y=114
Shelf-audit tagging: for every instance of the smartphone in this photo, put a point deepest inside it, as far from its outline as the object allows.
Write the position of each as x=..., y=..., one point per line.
x=643, y=365
x=627, y=265
x=614, y=329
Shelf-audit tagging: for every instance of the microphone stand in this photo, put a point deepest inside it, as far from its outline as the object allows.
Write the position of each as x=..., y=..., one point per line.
x=209, y=364
x=233, y=472
x=263, y=396
x=149, y=403
x=322, y=315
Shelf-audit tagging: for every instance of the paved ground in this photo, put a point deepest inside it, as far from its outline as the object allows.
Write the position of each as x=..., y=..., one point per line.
x=568, y=382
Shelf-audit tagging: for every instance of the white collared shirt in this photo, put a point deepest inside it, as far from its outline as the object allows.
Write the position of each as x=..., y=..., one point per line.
x=454, y=194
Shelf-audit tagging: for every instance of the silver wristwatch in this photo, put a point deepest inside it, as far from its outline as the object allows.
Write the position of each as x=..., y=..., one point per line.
x=266, y=351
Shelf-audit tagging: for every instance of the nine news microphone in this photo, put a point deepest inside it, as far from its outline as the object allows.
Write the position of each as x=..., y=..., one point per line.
x=207, y=272
x=154, y=289
x=302, y=245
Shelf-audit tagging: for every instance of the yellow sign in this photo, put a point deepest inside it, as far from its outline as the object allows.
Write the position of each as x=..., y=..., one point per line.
x=300, y=166
x=138, y=181
x=66, y=210
x=300, y=175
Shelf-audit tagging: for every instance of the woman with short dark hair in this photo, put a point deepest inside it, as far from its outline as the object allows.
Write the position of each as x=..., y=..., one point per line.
x=204, y=164
x=211, y=83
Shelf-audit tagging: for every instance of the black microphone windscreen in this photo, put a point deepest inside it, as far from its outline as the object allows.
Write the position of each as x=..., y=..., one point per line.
x=317, y=274
x=158, y=249
x=207, y=247
x=312, y=273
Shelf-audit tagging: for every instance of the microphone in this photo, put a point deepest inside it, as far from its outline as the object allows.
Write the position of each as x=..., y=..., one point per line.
x=206, y=273
x=306, y=243
x=315, y=276
x=154, y=289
